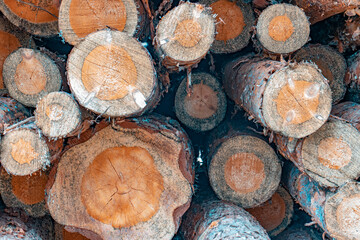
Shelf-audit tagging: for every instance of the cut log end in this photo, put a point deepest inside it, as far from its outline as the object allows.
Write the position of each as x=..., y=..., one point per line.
x=283, y=28
x=245, y=170
x=297, y=101
x=203, y=106
x=57, y=114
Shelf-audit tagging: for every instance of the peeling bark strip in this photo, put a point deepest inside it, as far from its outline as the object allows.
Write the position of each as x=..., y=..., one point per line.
x=95, y=188
x=275, y=214
x=36, y=17
x=11, y=112
x=331, y=63
x=29, y=75
x=220, y=220
x=336, y=213
x=25, y=192
x=184, y=36
x=282, y=28
x=112, y=74
x=318, y=10
x=204, y=107
x=291, y=99
x=352, y=77
x=234, y=22
x=79, y=18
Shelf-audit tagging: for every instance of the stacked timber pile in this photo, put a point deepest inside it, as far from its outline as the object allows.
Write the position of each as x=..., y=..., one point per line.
x=209, y=119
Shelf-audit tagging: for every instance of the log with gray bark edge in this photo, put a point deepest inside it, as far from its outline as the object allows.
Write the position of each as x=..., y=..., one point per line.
x=29, y=75
x=184, y=36
x=234, y=22
x=203, y=106
x=95, y=188
x=79, y=18
x=331, y=63
x=111, y=73
x=293, y=99
x=282, y=28
x=215, y=219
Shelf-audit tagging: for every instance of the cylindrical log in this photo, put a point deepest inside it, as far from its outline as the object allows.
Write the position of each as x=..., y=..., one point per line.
x=220, y=220
x=79, y=18
x=11, y=112
x=352, y=78
x=184, y=35
x=112, y=74
x=331, y=63
x=318, y=10
x=299, y=232
x=291, y=99
x=203, y=106
x=63, y=233
x=29, y=75
x=234, y=22
x=242, y=167
x=282, y=28
x=25, y=192
x=348, y=36
x=132, y=180
x=348, y=111
x=331, y=155
x=276, y=213
x=336, y=213
x=36, y=17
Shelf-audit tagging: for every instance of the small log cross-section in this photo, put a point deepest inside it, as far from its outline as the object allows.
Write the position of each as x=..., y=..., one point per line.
x=129, y=181
x=57, y=114
x=36, y=17
x=282, y=28
x=214, y=219
x=25, y=192
x=291, y=99
x=234, y=22
x=111, y=73
x=29, y=75
x=79, y=18
x=184, y=35
x=204, y=107
x=275, y=214
x=331, y=63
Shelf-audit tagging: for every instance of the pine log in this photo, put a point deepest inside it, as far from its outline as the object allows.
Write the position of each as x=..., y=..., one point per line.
x=25, y=192
x=352, y=78
x=220, y=220
x=234, y=22
x=318, y=10
x=184, y=36
x=299, y=233
x=63, y=233
x=36, y=17
x=275, y=214
x=331, y=63
x=331, y=155
x=335, y=212
x=348, y=35
x=79, y=18
x=203, y=106
x=29, y=75
x=112, y=74
x=242, y=167
x=282, y=28
x=11, y=112
x=95, y=187
x=291, y=99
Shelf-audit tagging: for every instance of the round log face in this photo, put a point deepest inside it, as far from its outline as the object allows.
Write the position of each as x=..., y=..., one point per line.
x=79, y=18
x=111, y=73
x=282, y=28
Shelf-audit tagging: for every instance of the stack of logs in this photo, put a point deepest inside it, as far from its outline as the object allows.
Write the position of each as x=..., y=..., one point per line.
x=85, y=153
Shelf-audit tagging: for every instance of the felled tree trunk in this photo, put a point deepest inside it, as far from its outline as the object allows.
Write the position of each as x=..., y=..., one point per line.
x=352, y=78
x=291, y=99
x=282, y=28
x=38, y=18
x=130, y=87
x=29, y=75
x=11, y=112
x=336, y=213
x=132, y=180
x=331, y=63
x=234, y=22
x=348, y=36
x=184, y=36
x=79, y=18
x=220, y=220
